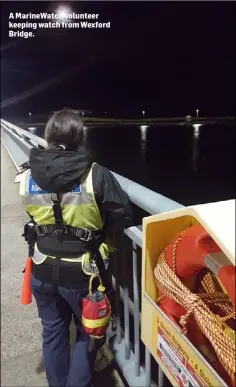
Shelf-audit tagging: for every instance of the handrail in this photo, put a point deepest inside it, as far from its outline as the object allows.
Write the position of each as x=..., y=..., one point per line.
x=11, y=127
x=146, y=199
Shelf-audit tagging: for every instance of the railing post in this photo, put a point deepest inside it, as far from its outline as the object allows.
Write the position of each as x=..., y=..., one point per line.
x=117, y=298
x=136, y=311
x=126, y=308
x=160, y=377
x=147, y=368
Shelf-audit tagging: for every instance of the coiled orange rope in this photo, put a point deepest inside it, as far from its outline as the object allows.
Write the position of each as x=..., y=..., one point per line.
x=212, y=325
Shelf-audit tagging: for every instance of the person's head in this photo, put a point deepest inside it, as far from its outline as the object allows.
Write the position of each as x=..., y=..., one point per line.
x=64, y=128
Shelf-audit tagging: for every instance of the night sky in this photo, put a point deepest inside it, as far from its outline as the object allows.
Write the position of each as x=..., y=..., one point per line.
x=166, y=58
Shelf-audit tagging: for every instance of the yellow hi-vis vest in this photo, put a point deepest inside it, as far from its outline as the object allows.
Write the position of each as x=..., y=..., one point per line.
x=79, y=210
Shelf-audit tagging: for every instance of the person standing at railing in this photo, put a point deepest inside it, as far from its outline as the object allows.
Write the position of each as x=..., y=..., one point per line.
x=70, y=201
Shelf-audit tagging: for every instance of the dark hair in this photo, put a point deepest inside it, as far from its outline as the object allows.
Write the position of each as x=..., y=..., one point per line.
x=65, y=128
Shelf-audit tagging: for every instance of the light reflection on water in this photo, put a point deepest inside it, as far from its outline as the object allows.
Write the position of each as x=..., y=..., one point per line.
x=195, y=143
x=195, y=147
x=143, y=139
x=177, y=162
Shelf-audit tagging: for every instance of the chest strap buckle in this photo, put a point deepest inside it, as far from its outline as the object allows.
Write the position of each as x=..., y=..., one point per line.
x=61, y=230
x=41, y=230
x=84, y=235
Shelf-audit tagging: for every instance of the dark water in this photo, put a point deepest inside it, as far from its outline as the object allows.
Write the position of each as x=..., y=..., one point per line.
x=191, y=165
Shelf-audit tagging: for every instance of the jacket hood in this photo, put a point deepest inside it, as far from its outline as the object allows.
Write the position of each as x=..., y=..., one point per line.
x=58, y=171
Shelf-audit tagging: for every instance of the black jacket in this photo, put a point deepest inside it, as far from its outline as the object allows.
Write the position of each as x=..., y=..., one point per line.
x=60, y=171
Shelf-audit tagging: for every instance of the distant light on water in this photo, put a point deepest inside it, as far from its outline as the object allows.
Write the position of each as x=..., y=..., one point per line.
x=143, y=139
x=196, y=131
x=195, y=154
x=143, y=129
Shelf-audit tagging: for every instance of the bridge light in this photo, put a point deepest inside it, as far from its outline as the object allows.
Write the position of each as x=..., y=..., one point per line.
x=143, y=112
x=64, y=11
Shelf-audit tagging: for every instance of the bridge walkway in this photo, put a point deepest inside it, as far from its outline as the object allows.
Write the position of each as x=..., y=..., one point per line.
x=21, y=355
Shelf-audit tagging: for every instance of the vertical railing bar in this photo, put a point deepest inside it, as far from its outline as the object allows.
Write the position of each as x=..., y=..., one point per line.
x=136, y=312
x=126, y=318
x=117, y=304
x=126, y=308
x=147, y=367
x=117, y=296
x=160, y=377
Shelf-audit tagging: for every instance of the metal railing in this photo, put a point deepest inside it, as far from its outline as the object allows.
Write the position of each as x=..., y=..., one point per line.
x=18, y=143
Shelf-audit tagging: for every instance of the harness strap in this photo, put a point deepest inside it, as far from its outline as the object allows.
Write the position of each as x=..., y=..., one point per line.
x=59, y=228
x=89, y=236
x=96, y=255
x=57, y=211
x=82, y=233
x=93, y=238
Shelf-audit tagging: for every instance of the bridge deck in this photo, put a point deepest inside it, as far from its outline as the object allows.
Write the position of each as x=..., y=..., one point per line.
x=21, y=356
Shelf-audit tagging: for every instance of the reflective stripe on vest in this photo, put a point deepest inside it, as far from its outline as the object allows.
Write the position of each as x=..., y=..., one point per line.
x=79, y=210
x=88, y=267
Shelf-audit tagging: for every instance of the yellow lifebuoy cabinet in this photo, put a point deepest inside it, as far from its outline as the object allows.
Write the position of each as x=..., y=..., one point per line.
x=176, y=355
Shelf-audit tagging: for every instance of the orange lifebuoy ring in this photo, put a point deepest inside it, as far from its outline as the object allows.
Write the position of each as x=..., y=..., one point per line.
x=190, y=260
x=189, y=250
